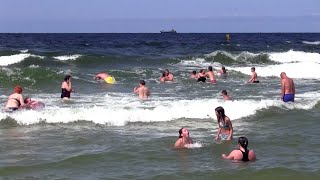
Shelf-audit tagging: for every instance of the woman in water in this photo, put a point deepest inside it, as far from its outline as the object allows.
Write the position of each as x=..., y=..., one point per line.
x=66, y=87
x=241, y=154
x=184, y=138
x=225, y=126
x=15, y=100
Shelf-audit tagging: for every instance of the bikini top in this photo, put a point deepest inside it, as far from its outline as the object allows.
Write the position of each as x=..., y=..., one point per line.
x=19, y=104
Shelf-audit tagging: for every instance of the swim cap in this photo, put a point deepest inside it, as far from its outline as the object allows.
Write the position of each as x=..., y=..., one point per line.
x=109, y=80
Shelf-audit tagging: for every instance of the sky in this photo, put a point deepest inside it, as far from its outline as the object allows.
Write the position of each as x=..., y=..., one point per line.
x=151, y=16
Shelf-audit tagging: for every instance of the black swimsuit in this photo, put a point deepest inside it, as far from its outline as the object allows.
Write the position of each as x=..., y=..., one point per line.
x=15, y=108
x=245, y=155
x=255, y=81
x=65, y=93
x=202, y=79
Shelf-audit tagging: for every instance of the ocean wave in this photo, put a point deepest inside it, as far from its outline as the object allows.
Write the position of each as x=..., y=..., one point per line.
x=295, y=56
x=17, y=58
x=311, y=42
x=68, y=57
x=128, y=110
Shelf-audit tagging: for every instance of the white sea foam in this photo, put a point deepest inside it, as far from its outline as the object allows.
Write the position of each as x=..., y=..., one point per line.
x=24, y=51
x=68, y=57
x=119, y=110
x=311, y=42
x=13, y=59
x=295, y=56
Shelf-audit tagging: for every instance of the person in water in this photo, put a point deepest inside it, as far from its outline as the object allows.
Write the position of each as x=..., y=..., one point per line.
x=222, y=71
x=184, y=138
x=225, y=95
x=106, y=77
x=142, y=90
x=163, y=77
x=211, y=75
x=193, y=75
x=34, y=105
x=15, y=100
x=228, y=38
x=168, y=76
x=225, y=130
x=66, y=87
x=202, y=76
x=287, y=88
x=254, y=76
x=241, y=154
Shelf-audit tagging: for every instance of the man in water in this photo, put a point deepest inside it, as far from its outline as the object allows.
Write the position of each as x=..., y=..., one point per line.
x=193, y=75
x=225, y=95
x=184, y=138
x=34, y=105
x=142, y=90
x=287, y=88
x=222, y=71
x=106, y=77
x=211, y=75
x=254, y=76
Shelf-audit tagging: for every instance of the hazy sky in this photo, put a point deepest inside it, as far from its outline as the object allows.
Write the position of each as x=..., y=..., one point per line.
x=155, y=15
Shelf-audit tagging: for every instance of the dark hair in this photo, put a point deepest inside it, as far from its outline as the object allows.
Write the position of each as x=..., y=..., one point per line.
x=221, y=116
x=194, y=72
x=224, y=70
x=67, y=77
x=243, y=141
x=202, y=70
x=210, y=68
x=180, y=132
x=224, y=92
x=142, y=82
x=164, y=74
x=253, y=68
x=26, y=100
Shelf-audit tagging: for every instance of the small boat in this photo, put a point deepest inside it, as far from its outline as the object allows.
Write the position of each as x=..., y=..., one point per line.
x=171, y=31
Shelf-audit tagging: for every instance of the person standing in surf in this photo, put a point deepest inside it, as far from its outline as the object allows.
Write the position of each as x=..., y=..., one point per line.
x=15, y=100
x=66, y=87
x=254, y=76
x=211, y=75
x=184, y=138
x=241, y=154
x=142, y=90
x=225, y=130
x=287, y=88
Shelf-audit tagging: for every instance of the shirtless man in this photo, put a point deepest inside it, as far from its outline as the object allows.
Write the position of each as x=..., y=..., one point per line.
x=210, y=74
x=142, y=90
x=106, y=77
x=254, y=76
x=287, y=88
x=225, y=95
x=184, y=139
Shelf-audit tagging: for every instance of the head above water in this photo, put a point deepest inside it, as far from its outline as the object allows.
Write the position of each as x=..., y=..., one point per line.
x=142, y=82
x=224, y=69
x=17, y=89
x=243, y=142
x=194, y=72
x=224, y=92
x=183, y=132
x=167, y=72
x=67, y=78
x=209, y=68
x=220, y=114
x=253, y=69
x=26, y=100
x=283, y=75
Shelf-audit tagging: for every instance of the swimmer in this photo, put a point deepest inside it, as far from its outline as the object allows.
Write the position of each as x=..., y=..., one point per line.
x=163, y=77
x=222, y=71
x=225, y=130
x=106, y=77
x=193, y=75
x=142, y=90
x=184, y=138
x=241, y=154
x=202, y=76
x=254, y=76
x=169, y=76
x=15, y=100
x=211, y=75
x=287, y=88
x=225, y=95
x=34, y=105
x=66, y=88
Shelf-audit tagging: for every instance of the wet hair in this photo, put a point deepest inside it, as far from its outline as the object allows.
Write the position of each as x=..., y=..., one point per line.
x=202, y=70
x=221, y=116
x=253, y=68
x=164, y=74
x=142, y=82
x=210, y=68
x=224, y=92
x=17, y=89
x=194, y=72
x=243, y=141
x=224, y=70
x=180, y=132
x=26, y=100
x=67, y=77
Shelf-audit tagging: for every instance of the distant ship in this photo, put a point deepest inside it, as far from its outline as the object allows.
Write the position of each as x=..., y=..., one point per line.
x=171, y=31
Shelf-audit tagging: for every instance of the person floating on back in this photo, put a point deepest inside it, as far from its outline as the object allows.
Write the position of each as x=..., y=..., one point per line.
x=287, y=88
x=106, y=77
x=184, y=138
x=225, y=95
x=142, y=90
x=33, y=105
x=254, y=76
x=241, y=154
